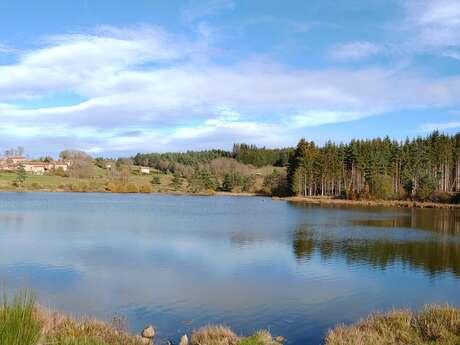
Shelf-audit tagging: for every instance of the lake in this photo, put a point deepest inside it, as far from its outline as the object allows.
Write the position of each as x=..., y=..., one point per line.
x=181, y=262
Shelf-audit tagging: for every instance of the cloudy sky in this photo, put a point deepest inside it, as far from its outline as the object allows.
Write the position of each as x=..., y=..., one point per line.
x=118, y=77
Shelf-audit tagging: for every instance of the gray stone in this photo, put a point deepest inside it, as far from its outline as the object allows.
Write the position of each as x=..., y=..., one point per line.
x=148, y=332
x=146, y=341
x=183, y=340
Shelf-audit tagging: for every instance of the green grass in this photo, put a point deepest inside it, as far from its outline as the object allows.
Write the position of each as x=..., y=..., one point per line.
x=101, y=180
x=23, y=323
x=18, y=323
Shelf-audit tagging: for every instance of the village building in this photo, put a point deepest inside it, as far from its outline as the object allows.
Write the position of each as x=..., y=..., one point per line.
x=60, y=165
x=36, y=168
x=145, y=170
x=15, y=160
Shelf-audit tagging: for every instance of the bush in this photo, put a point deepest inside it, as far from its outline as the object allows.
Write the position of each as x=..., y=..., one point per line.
x=146, y=188
x=441, y=197
x=176, y=182
x=36, y=185
x=111, y=187
x=202, y=180
x=60, y=172
x=343, y=194
x=427, y=186
x=132, y=188
x=382, y=187
x=156, y=180
x=455, y=198
x=80, y=187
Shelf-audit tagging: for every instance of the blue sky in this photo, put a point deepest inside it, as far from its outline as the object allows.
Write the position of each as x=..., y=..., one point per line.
x=115, y=78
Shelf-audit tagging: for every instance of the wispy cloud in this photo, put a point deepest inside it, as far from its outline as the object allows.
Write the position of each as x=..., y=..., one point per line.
x=199, y=9
x=430, y=127
x=355, y=50
x=6, y=49
x=145, y=89
x=434, y=24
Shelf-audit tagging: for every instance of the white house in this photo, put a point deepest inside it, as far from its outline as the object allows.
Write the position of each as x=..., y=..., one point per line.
x=36, y=168
x=60, y=165
x=145, y=170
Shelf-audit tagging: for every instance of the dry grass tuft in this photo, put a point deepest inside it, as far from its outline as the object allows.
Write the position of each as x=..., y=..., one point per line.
x=64, y=330
x=214, y=335
x=435, y=325
x=221, y=335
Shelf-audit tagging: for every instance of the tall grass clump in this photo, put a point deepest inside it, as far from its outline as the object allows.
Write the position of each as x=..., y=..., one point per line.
x=434, y=325
x=18, y=323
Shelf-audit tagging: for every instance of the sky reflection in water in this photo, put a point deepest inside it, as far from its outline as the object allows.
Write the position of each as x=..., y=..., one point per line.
x=181, y=262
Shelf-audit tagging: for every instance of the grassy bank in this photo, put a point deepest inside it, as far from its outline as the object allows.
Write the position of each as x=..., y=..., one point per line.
x=22, y=322
x=434, y=325
x=101, y=183
x=368, y=203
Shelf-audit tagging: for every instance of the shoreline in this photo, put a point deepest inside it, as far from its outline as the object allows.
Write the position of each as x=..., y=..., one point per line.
x=233, y=194
x=367, y=203
x=29, y=323
x=322, y=201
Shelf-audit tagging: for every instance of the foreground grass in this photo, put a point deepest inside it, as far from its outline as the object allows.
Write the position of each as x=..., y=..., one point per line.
x=23, y=323
x=434, y=325
x=18, y=322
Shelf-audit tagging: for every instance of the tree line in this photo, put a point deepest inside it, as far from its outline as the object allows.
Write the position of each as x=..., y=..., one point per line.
x=382, y=168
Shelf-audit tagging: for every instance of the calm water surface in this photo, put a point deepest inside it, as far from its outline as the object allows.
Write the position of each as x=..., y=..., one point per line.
x=180, y=262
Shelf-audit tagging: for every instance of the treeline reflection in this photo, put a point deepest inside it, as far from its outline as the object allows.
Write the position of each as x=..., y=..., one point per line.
x=433, y=255
x=438, y=220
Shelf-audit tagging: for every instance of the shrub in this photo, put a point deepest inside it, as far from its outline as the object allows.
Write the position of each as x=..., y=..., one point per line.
x=441, y=197
x=111, y=187
x=146, y=188
x=382, y=187
x=176, y=182
x=156, y=180
x=80, y=187
x=427, y=186
x=60, y=172
x=132, y=188
x=35, y=185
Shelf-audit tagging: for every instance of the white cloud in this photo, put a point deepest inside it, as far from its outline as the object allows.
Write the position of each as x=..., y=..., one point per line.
x=434, y=23
x=314, y=118
x=355, y=50
x=430, y=127
x=145, y=89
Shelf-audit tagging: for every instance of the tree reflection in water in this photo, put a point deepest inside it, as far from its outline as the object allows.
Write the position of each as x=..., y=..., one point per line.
x=433, y=254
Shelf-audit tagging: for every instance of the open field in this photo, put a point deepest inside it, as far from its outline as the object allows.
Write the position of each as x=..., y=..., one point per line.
x=104, y=183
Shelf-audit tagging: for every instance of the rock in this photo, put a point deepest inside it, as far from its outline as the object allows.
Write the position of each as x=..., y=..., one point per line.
x=183, y=340
x=279, y=339
x=148, y=332
x=146, y=341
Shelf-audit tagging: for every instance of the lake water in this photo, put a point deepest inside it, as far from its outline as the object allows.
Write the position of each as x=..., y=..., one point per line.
x=181, y=262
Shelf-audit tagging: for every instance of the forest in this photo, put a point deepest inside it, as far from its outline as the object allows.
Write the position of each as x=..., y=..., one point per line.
x=418, y=168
